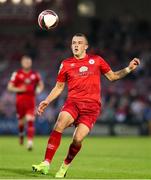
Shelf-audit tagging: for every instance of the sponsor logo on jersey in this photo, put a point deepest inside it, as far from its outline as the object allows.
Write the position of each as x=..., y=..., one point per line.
x=91, y=61
x=27, y=81
x=83, y=69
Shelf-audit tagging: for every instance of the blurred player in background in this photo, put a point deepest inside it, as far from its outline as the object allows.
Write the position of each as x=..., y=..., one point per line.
x=26, y=83
x=82, y=73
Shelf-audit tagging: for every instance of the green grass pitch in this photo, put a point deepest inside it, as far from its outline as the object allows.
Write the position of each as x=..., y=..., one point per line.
x=100, y=158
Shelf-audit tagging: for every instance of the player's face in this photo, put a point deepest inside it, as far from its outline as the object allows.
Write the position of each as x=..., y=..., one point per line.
x=79, y=46
x=26, y=63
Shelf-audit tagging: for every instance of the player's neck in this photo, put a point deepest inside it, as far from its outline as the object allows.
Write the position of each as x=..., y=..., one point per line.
x=81, y=56
x=26, y=70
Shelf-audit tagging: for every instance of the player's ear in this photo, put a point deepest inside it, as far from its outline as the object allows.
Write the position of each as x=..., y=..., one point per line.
x=86, y=47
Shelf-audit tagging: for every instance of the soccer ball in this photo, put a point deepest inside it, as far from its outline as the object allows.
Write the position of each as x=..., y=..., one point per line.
x=48, y=19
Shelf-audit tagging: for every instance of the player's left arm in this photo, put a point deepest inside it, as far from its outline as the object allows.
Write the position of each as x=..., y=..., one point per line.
x=113, y=76
x=39, y=87
x=40, y=84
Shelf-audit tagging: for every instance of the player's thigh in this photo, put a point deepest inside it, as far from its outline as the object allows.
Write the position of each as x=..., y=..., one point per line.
x=80, y=133
x=64, y=120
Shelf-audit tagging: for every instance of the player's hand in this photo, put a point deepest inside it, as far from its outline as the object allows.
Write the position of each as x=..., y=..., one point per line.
x=134, y=64
x=42, y=106
x=22, y=89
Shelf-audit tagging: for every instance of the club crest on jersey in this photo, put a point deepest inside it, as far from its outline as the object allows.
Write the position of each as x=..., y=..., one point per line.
x=33, y=76
x=91, y=61
x=83, y=69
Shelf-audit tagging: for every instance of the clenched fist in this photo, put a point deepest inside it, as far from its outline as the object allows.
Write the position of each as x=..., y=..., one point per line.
x=133, y=64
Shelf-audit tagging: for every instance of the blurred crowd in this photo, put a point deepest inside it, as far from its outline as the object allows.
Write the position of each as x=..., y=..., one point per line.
x=116, y=40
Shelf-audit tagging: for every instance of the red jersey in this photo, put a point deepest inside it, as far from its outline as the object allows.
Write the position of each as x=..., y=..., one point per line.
x=30, y=80
x=83, y=77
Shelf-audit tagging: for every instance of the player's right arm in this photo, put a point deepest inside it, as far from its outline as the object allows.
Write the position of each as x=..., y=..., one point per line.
x=12, y=87
x=55, y=92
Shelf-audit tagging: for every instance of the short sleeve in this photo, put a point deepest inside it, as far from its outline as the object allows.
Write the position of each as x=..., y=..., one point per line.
x=62, y=73
x=104, y=66
x=13, y=78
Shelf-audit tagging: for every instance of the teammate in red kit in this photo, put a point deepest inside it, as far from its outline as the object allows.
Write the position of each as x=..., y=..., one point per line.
x=82, y=73
x=26, y=83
